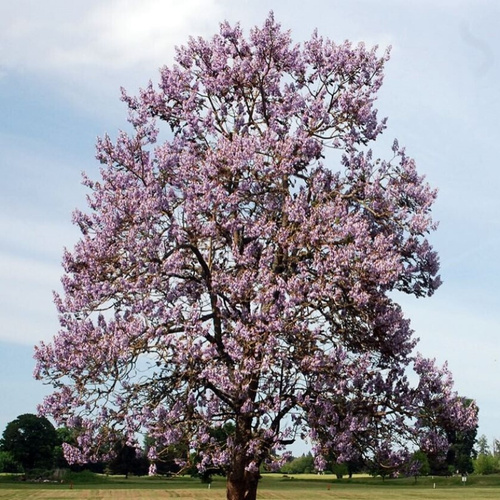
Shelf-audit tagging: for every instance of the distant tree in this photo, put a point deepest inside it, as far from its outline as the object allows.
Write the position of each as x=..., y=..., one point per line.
x=299, y=465
x=418, y=465
x=244, y=269
x=340, y=470
x=354, y=465
x=171, y=459
x=175, y=459
x=178, y=458
x=128, y=460
x=64, y=435
x=379, y=469
x=495, y=449
x=488, y=459
x=386, y=463
x=31, y=441
x=218, y=436
x=482, y=446
x=460, y=453
x=486, y=464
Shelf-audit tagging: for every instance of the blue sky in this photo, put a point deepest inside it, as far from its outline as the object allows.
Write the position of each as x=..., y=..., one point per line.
x=61, y=67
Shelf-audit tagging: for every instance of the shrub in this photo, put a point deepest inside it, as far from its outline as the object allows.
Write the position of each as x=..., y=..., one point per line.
x=8, y=464
x=486, y=464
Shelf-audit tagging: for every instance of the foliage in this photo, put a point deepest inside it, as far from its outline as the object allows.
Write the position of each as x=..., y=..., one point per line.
x=30, y=440
x=418, y=465
x=482, y=445
x=300, y=465
x=8, y=464
x=172, y=458
x=218, y=437
x=380, y=468
x=461, y=452
x=460, y=448
x=128, y=460
x=488, y=459
x=355, y=464
x=486, y=464
x=234, y=274
x=496, y=448
x=340, y=470
x=64, y=435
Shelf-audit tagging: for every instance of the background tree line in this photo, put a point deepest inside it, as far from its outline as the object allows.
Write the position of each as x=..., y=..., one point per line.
x=31, y=445
x=488, y=458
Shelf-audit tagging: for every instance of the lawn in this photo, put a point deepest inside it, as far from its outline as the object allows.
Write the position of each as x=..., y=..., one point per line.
x=272, y=487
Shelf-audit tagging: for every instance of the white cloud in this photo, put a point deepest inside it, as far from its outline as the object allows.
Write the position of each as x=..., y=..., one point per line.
x=28, y=314
x=96, y=35
x=143, y=31
x=86, y=50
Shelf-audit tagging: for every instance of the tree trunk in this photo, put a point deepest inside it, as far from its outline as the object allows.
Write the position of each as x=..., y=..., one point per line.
x=242, y=485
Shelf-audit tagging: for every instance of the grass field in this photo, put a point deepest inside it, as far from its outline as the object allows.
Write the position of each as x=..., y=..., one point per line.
x=272, y=487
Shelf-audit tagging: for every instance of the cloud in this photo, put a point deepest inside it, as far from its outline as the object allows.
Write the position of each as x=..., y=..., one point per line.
x=90, y=48
x=97, y=35
x=27, y=312
x=143, y=32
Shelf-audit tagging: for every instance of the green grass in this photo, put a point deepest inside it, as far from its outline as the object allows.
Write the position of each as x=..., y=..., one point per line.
x=272, y=487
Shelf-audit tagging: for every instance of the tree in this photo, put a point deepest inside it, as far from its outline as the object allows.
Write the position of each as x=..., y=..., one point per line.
x=352, y=466
x=299, y=465
x=418, y=465
x=30, y=440
x=128, y=460
x=486, y=464
x=460, y=447
x=340, y=470
x=228, y=273
x=495, y=449
x=461, y=451
x=171, y=460
x=487, y=461
x=64, y=435
x=483, y=447
x=218, y=437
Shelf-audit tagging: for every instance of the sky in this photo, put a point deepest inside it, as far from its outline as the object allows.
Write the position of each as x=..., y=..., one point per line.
x=61, y=68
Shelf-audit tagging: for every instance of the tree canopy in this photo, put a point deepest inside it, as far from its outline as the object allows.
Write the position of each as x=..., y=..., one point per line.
x=238, y=264
x=30, y=441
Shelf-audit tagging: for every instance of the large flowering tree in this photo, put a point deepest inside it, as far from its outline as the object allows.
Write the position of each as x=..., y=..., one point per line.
x=239, y=266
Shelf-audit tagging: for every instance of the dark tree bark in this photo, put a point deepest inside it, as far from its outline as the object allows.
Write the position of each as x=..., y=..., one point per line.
x=242, y=485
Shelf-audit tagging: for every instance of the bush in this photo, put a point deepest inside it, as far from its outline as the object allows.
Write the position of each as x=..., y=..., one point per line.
x=486, y=464
x=300, y=465
x=8, y=464
x=39, y=474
